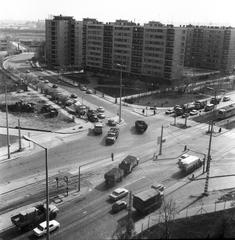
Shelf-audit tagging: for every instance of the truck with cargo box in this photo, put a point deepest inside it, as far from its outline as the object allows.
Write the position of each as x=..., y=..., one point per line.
x=128, y=163
x=190, y=163
x=113, y=176
x=147, y=200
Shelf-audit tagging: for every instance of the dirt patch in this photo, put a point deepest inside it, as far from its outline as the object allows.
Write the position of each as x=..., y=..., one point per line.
x=36, y=120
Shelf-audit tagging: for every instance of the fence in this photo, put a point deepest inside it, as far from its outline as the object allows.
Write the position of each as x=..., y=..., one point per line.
x=147, y=223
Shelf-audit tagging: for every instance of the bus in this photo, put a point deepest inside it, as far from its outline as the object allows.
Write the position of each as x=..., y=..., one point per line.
x=226, y=112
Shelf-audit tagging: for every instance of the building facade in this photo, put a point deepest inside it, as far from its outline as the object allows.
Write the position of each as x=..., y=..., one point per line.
x=152, y=51
x=63, y=42
x=3, y=44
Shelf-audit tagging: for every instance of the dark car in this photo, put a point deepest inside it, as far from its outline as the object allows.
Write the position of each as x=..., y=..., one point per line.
x=119, y=205
x=55, y=86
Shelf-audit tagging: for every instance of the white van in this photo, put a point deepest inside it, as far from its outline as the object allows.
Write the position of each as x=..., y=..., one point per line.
x=209, y=107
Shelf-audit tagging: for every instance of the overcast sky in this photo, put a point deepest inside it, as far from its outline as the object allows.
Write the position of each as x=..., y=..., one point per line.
x=208, y=12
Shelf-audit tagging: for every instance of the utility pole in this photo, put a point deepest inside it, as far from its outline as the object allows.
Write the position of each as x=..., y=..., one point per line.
x=160, y=150
x=19, y=135
x=8, y=137
x=128, y=229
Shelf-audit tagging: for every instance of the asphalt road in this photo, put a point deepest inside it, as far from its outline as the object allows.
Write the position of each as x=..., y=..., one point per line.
x=82, y=216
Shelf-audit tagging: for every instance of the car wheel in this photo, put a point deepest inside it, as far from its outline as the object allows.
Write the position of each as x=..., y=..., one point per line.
x=30, y=227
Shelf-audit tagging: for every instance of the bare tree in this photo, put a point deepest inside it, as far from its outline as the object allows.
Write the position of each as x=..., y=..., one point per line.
x=167, y=213
x=125, y=230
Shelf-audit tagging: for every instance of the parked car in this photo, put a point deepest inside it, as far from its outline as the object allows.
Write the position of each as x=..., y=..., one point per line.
x=27, y=61
x=100, y=109
x=73, y=95
x=118, y=193
x=101, y=115
x=40, y=77
x=169, y=111
x=40, y=69
x=83, y=88
x=193, y=112
x=46, y=81
x=55, y=86
x=112, y=122
x=158, y=186
x=226, y=98
x=75, y=84
x=89, y=91
x=119, y=205
x=27, y=71
x=41, y=229
x=185, y=115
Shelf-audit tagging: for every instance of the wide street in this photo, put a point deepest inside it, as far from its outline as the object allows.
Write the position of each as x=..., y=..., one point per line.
x=89, y=216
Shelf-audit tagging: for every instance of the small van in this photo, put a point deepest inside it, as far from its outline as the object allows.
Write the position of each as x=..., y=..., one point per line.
x=209, y=107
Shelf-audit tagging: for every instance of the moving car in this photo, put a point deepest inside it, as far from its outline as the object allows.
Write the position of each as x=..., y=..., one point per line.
x=41, y=229
x=112, y=122
x=100, y=109
x=46, y=81
x=55, y=86
x=27, y=71
x=169, y=111
x=40, y=77
x=226, y=98
x=73, y=95
x=193, y=112
x=118, y=194
x=119, y=205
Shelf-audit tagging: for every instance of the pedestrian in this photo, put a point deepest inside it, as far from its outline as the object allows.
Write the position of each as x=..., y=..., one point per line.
x=143, y=111
x=220, y=129
x=185, y=148
x=154, y=112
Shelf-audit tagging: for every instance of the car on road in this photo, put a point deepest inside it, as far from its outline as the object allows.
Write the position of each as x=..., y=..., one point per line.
x=89, y=91
x=158, y=186
x=185, y=115
x=55, y=86
x=118, y=206
x=169, y=111
x=27, y=71
x=193, y=112
x=41, y=229
x=46, y=81
x=73, y=95
x=40, y=69
x=27, y=61
x=226, y=98
x=40, y=77
x=101, y=115
x=75, y=84
x=112, y=122
x=118, y=194
x=83, y=88
x=100, y=109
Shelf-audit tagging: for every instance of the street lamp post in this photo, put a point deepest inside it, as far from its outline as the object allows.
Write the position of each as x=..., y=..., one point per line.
x=120, y=103
x=47, y=187
x=209, y=148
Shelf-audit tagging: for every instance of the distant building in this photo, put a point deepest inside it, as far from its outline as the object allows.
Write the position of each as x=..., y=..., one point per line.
x=3, y=43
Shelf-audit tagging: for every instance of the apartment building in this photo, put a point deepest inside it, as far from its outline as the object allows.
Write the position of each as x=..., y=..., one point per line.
x=210, y=47
x=63, y=42
x=152, y=52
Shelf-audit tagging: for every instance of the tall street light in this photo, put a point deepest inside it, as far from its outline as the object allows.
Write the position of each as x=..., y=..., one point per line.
x=209, y=148
x=47, y=187
x=120, y=103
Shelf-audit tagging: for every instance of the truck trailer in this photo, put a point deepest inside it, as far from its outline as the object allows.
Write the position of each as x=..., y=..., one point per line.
x=128, y=163
x=113, y=176
x=190, y=163
x=147, y=200
x=31, y=217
